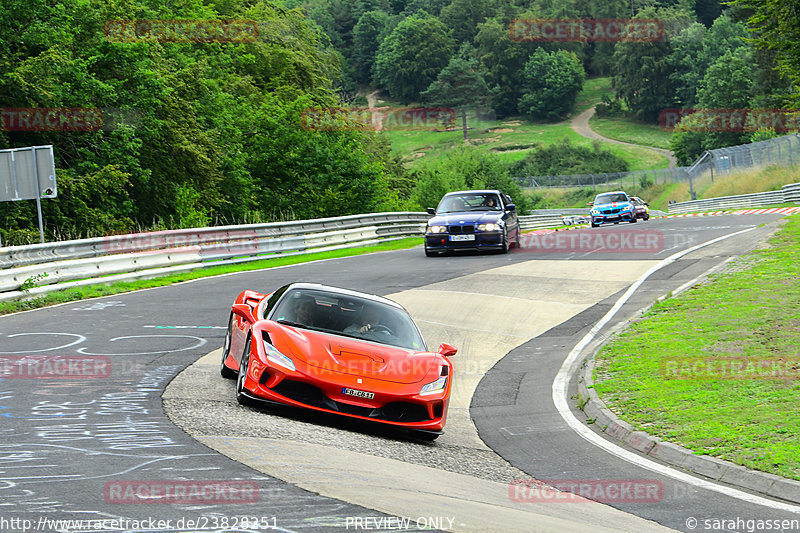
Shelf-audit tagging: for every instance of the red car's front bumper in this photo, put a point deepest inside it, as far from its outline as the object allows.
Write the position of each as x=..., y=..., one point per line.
x=320, y=389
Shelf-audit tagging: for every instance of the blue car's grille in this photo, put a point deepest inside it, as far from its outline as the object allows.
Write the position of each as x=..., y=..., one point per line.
x=462, y=229
x=611, y=211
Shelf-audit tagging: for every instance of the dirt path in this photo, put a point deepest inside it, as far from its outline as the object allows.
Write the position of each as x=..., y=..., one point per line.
x=580, y=125
x=377, y=118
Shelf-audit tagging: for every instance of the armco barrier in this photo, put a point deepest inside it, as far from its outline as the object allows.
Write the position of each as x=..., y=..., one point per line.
x=66, y=264
x=113, y=258
x=788, y=194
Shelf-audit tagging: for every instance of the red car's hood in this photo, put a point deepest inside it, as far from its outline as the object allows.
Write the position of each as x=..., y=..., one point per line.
x=358, y=358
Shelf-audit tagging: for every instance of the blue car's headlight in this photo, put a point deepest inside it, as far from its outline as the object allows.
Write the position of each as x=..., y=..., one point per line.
x=488, y=227
x=278, y=358
x=437, y=229
x=595, y=212
x=436, y=386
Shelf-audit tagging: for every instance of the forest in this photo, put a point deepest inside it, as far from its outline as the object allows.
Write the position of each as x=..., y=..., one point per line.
x=207, y=131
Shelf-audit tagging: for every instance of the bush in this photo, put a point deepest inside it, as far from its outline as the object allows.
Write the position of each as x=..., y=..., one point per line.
x=567, y=158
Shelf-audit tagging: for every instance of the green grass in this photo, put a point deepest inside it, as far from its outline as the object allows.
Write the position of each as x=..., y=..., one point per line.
x=510, y=138
x=95, y=291
x=631, y=131
x=750, y=312
x=513, y=137
x=592, y=92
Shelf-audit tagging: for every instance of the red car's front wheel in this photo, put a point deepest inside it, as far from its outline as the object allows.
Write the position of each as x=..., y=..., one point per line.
x=241, y=392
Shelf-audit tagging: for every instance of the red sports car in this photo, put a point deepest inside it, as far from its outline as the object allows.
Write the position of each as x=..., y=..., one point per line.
x=337, y=351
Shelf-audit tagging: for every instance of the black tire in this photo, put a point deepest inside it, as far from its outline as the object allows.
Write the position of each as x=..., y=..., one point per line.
x=224, y=371
x=595, y=225
x=504, y=249
x=428, y=253
x=634, y=220
x=241, y=396
x=647, y=217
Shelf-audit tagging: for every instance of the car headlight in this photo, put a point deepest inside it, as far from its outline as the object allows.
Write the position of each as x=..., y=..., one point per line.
x=595, y=212
x=436, y=386
x=488, y=227
x=437, y=229
x=278, y=358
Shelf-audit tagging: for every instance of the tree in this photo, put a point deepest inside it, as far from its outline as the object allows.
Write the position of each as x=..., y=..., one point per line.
x=502, y=61
x=466, y=168
x=687, y=70
x=776, y=26
x=552, y=81
x=410, y=58
x=727, y=85
x=368, y=33
x=463, y=17
x=460, y=85
x=642, y=69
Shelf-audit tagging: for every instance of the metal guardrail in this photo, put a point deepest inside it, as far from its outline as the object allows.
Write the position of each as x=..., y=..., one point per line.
x=58, y=265
x=788, y=194
x=39, y=268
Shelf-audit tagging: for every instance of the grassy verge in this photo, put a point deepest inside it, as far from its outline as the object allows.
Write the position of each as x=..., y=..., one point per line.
x=749, y=316
x=94, y=291
x=631, y=131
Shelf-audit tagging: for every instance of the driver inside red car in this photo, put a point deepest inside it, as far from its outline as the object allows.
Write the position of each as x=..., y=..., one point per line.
x=369, y=319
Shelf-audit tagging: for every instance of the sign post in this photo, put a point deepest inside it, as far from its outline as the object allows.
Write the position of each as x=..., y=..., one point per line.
x=27, y=174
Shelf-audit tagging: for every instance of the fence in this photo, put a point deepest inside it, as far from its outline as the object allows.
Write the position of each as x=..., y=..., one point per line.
x=788, y=194
x=779, y=151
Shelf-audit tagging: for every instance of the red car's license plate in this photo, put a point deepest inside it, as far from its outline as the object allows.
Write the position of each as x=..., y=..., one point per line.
x=358, y=393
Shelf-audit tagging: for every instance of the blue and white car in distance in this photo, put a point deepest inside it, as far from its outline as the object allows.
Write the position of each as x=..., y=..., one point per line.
x=613, y=207
x=472, y=220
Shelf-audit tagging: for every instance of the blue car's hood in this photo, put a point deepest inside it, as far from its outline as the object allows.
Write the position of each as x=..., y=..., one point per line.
x=612, y=205
x=467, y=217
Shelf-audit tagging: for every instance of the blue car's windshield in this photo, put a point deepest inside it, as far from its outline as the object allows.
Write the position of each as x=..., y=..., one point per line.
x=610, y=198
x=454, y=203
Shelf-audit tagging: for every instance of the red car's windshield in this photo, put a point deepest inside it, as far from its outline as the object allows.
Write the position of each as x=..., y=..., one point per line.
x=349, y=315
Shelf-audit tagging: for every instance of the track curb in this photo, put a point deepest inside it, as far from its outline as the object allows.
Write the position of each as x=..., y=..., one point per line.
x=616, y=429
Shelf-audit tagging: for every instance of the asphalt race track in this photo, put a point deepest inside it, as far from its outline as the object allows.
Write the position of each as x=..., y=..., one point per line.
x=73, y=448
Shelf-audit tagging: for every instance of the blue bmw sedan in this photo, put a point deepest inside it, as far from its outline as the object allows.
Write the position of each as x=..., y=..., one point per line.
x=472, y=220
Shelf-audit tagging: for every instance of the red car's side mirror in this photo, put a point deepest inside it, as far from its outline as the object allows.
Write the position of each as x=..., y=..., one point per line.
x=243, y=311
x=447, y=350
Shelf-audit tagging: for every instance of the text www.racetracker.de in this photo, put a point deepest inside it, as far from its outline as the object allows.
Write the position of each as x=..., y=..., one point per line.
x=43, y=523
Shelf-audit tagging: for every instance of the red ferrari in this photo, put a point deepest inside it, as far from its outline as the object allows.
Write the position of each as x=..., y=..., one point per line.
x=337, y=351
